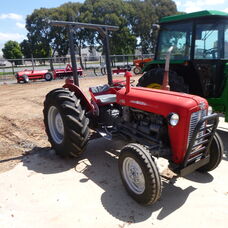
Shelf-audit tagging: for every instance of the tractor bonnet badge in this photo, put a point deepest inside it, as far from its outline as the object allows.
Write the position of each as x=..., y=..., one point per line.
x=202, y=105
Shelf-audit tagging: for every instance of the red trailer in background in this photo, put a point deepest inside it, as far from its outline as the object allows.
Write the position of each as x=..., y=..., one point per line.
x=61, y=73
x=26, y=75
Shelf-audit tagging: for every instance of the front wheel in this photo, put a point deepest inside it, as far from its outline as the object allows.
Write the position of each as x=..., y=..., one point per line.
x=25, y=78
x=65, y=122
x=216, y=151
x=137, y=70
x=139, y=174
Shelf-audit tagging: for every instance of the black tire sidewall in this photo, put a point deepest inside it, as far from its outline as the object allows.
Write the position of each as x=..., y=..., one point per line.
x=216, y=151
x=70, y=145
x=145, y=197
x=64, y=142
x=156, y=75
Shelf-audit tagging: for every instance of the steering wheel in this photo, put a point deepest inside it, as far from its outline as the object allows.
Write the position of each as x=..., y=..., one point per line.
x=211, y=51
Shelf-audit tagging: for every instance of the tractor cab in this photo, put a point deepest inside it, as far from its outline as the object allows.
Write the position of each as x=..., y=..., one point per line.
x=199, y=59
x=203, y=38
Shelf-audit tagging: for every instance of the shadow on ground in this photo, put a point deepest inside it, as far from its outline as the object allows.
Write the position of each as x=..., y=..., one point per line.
x=99, y=163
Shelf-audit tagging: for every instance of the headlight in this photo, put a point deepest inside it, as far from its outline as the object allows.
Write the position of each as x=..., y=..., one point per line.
x=209, y=111
x=173, y=119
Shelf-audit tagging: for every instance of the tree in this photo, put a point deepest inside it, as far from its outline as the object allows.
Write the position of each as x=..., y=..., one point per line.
x=12, y=50
x=39, y=33
x=46, y=40
x=110, y=12
x=146, y=13
x=26, y=49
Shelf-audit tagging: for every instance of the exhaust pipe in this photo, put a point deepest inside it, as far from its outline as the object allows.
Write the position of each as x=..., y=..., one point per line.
x=128, y=76
x=165, y=83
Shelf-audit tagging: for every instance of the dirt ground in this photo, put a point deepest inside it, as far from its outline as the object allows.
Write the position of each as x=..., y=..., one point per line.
x=38, y=189
x=21, y=117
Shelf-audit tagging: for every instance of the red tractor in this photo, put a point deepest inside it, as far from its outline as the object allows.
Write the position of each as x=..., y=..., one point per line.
x=139, y=64
x=155, y=123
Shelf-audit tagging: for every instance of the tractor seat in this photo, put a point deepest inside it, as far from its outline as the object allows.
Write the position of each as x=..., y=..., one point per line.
x=103, y=98
x=106, y=98
x=99, y=89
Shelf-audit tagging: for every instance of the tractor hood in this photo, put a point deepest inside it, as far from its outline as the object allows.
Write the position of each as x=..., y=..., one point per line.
x=164, y=103
x=160, y=101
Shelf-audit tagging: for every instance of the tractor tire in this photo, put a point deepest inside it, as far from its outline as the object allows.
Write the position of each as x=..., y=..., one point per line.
x=154, y=78
x=216, y=152
x=65, y=123
x=48, y=76
x=25, y=78
x=137, y=70
x=139, y=174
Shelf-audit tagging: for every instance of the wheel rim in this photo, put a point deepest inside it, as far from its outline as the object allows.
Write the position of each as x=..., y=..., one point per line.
x=26, y=78
x=154, y=86
x=48, y=76
x=55, y=124
x=133, y=175
x=137, y=70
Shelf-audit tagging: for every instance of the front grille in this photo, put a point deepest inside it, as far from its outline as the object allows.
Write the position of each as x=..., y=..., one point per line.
x=195, y=118
x=201, y=132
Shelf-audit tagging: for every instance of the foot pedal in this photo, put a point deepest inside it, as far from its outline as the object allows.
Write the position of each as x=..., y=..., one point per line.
x=105, y=133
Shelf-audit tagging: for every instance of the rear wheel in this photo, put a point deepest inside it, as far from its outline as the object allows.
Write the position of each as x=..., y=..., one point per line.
x=65, y=122
x=216, y=151
x=137, y=70
x=48, y=76
x=139, y=174
x=154, y=78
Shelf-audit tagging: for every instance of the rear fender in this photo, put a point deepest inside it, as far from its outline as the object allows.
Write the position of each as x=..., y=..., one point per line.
x=79, y=94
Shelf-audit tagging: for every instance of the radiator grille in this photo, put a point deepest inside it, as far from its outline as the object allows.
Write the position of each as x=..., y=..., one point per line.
x=195, y=117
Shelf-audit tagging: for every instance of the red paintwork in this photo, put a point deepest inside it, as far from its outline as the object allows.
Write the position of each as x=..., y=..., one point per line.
x=164, y=102
x=32, y=74
x=128, y=76
x=66, y=72
x=119, y=70
x=140, y=62
x=39, y=74
x=156, y=101
x=117, y=85
x=84, y=101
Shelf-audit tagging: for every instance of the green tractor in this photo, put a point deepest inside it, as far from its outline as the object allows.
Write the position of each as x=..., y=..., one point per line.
x=199, y=60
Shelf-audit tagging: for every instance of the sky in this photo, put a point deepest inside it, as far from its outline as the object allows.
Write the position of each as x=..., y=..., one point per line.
x=14, y=12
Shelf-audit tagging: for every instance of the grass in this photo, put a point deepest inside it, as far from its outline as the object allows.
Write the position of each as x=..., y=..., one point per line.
x=6, y=73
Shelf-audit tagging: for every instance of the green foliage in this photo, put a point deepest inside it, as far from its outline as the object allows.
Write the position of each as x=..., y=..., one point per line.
x=146, y=13
x=25, y=49
x=134, y=18
x=39, y=33
x=110, y=12
x=12, y=50
x=122, y=42
x=46, y=40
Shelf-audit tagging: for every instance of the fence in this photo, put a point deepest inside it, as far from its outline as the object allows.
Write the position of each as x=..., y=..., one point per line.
x=92, y=64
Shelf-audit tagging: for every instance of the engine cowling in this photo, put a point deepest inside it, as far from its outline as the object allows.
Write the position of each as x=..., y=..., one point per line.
x=163, y=103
